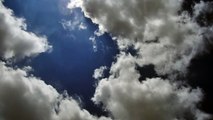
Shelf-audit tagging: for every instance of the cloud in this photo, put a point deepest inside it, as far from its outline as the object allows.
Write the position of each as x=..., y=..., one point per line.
x=152, y=99
x=94, y=43
x=76, y=23
x=73, y=24
x=117, y=17
x=82, y=26
x=25, y=97
x=162, y=35
x=99, y=73
x=162, y=38
x=15, y=41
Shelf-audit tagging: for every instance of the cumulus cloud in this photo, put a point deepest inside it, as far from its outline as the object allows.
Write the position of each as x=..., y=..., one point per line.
x=155, y=28
x=117, y=17
x=162, y=35
x=15, y=41
x=152, y=99
x=24, y=97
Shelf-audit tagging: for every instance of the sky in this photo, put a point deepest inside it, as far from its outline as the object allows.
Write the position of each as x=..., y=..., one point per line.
x=106, y=60
x=72, y=60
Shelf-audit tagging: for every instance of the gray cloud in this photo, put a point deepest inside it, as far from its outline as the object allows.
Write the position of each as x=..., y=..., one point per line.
x=15, y=41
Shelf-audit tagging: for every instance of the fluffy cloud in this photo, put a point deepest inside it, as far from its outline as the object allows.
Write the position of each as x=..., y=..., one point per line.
x=126, y=18
x=15, y=41
x=99, y=73
x=24, y=97
x=152, y=99
x=163, y=36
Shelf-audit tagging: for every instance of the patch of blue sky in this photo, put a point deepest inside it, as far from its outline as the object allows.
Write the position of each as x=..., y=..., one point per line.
x=72, y=61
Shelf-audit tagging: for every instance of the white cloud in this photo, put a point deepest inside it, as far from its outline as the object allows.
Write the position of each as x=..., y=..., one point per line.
x=76, y=23
x=74, y=4
x=24, y=97
x=150, y=26
x=99, y=73
x=98, y=33
x=126, y=18
x=153, y=27
x=73, y=24
x=152, y=99
x=94, y=43
x=15, y=41
x=69, y=24
x=163, y=38
x=82, y=26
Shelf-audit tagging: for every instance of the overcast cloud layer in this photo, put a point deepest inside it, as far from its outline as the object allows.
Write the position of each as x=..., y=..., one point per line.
x=15, y=41
x=162, y=37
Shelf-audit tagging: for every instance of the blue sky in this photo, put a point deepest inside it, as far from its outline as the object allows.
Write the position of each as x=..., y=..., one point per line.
x=72, y=61
x=147, y=56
